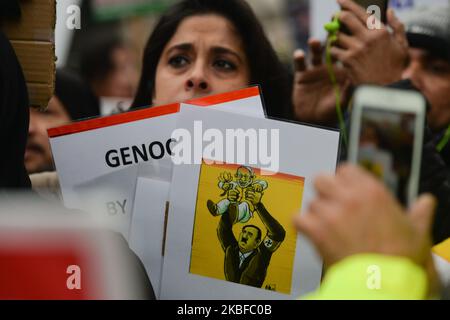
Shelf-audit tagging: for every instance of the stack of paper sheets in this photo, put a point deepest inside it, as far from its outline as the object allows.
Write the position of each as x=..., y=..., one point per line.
x=204, y=191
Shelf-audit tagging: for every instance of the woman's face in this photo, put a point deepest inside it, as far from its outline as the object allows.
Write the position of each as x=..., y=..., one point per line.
x=205, y=56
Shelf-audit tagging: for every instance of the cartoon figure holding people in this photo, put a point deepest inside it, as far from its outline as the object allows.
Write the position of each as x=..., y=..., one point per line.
x=247, y=257
x=245, y=181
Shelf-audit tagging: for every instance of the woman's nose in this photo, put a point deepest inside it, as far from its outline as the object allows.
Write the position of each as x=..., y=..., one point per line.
x=195, y=84
x=198, y=81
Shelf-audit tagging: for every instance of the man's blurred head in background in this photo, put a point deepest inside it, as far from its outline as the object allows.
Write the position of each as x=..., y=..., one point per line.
x=109, y=66
x=73, y=100
x=428, y=33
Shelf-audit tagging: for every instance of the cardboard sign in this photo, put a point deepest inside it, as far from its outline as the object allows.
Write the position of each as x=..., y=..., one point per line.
x=230, y=232
x=32, y=38
x=99, y=160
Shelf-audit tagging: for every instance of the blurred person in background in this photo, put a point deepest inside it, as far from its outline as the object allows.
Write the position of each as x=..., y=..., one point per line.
x=428, y=69
x=109, y=66
x=428, y=33
x=299, y=12
x=202, y=47
x=72, y=101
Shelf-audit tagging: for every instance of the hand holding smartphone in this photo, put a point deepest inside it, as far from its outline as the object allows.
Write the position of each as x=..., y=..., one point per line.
x=386, y=137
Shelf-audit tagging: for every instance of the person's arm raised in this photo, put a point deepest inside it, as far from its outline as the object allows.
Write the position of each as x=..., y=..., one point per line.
x=275, y=231
x=224, y=229
x=313, y=94
x=375, y=56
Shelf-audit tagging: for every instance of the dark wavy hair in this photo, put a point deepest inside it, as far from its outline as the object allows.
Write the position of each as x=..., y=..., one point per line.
x=265, y=68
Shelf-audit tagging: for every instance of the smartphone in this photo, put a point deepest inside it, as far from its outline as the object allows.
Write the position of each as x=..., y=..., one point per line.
x=366, y=4
x=386, y=137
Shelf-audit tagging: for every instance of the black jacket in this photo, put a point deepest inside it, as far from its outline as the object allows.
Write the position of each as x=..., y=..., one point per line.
x=14, y=117
x=435, y=179
x=434, y=176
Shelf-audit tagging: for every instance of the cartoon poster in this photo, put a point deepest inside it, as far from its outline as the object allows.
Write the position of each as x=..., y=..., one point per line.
x=243, y=229
x=277, y=263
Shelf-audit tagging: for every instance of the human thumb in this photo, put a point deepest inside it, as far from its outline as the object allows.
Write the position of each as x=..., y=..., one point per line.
x=422, y=214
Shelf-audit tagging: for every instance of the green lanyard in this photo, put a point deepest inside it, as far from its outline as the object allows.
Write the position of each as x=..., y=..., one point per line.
x=333, y=28
x=444, y=141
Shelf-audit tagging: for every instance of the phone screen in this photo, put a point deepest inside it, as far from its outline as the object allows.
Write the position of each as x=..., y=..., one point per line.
x=382, y=4
x=386, y=146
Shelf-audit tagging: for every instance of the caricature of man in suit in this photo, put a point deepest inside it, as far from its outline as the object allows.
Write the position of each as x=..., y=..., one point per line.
x=247, y=258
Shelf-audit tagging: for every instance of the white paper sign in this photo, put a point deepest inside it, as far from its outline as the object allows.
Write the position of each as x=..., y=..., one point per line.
x=99, y=160
x=203, y=260
x=147, y=226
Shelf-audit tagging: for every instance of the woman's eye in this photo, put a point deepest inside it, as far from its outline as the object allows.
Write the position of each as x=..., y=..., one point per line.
x=178, y=61
x=439, y=68
x=225, y=65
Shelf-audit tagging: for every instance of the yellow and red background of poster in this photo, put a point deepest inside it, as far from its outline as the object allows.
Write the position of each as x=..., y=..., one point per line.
x=282, y=199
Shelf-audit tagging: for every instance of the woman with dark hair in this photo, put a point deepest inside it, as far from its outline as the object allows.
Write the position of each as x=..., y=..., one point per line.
x=202, y=47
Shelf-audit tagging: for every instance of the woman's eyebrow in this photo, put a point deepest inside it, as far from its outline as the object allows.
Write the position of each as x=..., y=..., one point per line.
x=223, y=50
x=181, y=47
x=216, y=50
